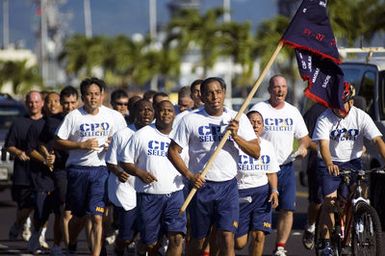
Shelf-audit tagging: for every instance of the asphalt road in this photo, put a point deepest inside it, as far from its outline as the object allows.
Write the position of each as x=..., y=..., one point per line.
x=8, y=210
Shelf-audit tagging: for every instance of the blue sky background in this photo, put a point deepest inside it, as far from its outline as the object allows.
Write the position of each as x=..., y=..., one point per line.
x=112, y=17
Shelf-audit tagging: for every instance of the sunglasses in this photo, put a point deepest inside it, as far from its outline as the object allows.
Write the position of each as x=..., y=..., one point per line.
x=121, y=103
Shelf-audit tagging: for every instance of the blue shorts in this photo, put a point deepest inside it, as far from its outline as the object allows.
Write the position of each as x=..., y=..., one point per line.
x=159, y=215
x=216, y=203
x=314, y=185
x=86, y=193
x=128, y=225
x=330, y=183
x=286, y=187
x=256, y=215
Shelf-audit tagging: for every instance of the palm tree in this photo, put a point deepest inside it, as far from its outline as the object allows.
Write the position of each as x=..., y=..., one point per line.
x=82, y=54
x=191, y=31
x=354, y=20
x=238, y=43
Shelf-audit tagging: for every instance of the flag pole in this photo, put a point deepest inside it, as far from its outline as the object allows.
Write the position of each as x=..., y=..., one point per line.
x=237, y=117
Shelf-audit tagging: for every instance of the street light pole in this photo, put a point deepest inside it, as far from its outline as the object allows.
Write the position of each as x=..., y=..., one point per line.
x=43, y=41
x=5, y=24
x=153, y=36
x=229, y=74
x=226, y=9
x=87, y=18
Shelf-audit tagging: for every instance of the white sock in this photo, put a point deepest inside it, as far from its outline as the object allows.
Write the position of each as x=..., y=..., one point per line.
x=310, y=228
x=27, y=223
x=43, y=230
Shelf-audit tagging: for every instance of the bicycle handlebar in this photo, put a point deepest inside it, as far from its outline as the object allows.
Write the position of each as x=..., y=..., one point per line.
x=362, y=172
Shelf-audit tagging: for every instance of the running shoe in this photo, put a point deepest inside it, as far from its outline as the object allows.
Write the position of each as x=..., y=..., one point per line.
x=308, y=239
x=280, y=251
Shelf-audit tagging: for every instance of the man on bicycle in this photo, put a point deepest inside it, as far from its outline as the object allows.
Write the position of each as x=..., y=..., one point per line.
x=340, y=134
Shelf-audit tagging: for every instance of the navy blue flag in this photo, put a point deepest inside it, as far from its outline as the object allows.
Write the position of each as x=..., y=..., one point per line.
x=325, y=79
x=317, y=55
x=310, y=30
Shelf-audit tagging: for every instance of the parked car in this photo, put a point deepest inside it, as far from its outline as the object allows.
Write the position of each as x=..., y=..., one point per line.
x=9, y=110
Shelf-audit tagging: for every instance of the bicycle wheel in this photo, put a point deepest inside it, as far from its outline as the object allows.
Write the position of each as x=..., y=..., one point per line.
x=366, y=236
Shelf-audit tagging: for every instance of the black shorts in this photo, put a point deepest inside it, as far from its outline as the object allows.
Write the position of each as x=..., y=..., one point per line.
x=46, y=203
x=24, y=196
x=314, y=184
x=60, y=178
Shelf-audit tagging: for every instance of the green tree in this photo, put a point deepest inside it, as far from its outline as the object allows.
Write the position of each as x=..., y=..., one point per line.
x=192, y=31
x=82, y=54
x=238, y=43
x=354, y=20
x=131, y=61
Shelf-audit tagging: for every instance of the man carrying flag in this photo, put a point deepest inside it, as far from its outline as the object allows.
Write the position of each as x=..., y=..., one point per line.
x=311, y=35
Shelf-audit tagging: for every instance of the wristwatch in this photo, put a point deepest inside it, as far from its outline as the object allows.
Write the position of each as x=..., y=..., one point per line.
x=274, y=190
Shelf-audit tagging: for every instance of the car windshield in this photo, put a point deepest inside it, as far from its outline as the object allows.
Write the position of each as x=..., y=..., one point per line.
x=364, y=78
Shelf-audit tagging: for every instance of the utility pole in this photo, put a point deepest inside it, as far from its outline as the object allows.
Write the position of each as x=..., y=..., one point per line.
x=43, y=41
x=229, y=74
x=87, y=18
x=153, y=35
x=5, y=24
x=226, y=9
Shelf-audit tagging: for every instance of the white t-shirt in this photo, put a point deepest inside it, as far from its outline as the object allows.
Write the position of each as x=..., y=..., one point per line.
x=201, y=133
x=147, y=149
x=281, y=127
x=345, y=135
x=121, y=194
x=78, y=125
x=252, y=172
x=120, y=122
x=179, y=117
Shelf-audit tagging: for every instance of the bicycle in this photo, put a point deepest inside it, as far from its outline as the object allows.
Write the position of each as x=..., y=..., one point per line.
x=357, y=229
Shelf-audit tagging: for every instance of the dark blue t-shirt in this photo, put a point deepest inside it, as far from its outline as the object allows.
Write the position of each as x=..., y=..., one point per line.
x=17, y=137
x=47, y=136
x=42, y=176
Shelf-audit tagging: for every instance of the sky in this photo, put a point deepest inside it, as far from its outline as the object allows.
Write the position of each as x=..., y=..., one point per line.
x=112, y=17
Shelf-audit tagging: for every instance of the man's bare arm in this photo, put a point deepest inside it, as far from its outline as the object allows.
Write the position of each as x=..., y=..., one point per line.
x=115, y=169
x=20, y=154
x=90, y=144
x=173, y=155
x=250, y=147
x=132, y=169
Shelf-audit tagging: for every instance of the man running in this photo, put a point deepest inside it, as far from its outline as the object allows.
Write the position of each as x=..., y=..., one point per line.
x=216, y=204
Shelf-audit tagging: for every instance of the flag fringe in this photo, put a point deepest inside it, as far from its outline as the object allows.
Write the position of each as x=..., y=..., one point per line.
x=298, y=46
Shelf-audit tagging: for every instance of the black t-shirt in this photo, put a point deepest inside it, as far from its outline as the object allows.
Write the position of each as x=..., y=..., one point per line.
x=47, y=136
x=42, y=176
x=312, y=115
x=310, y=118
x=17, y=137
